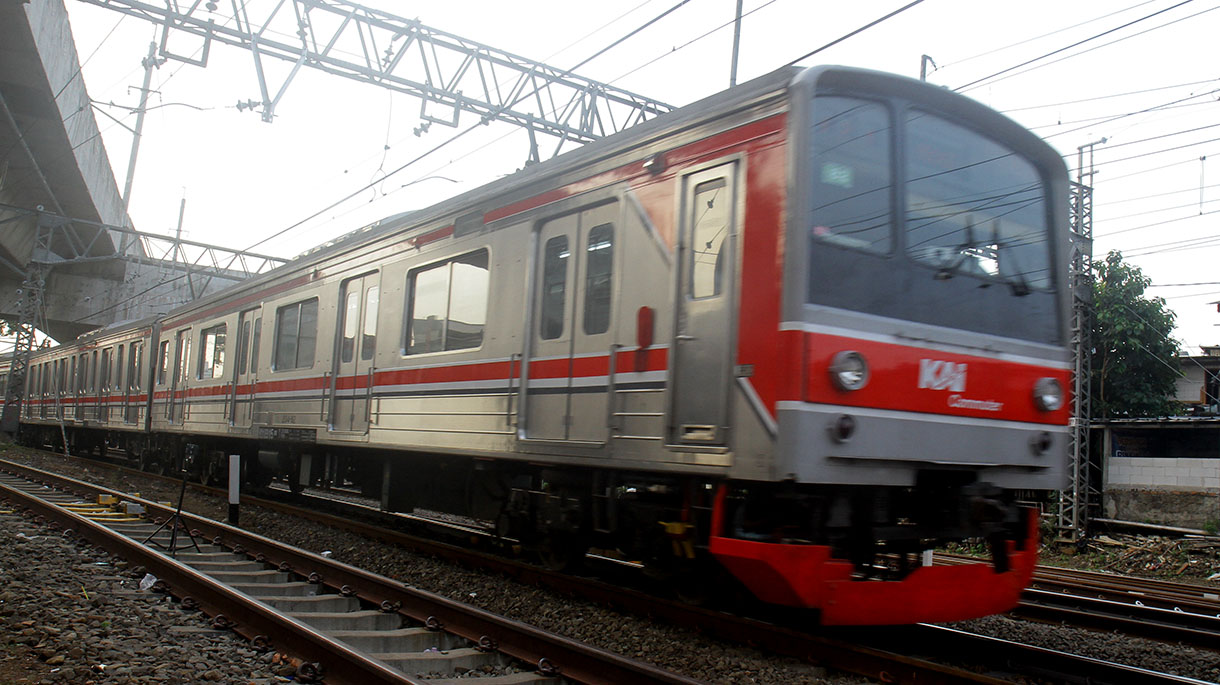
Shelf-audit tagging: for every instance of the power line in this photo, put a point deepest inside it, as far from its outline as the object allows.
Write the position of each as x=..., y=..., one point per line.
x=867, y=26
x=1146, y=110
x=1102, y=118
x=688, y=43
x=1045, y=35
x=590, y=34
x=1109, y=147
x=631, y=33
x=1157, y=152
x=1069, y=47
x=1162, y=209
x=1108, y=97
x=1145, y=171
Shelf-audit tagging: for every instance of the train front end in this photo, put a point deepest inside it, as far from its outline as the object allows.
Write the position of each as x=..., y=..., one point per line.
x=924, y=325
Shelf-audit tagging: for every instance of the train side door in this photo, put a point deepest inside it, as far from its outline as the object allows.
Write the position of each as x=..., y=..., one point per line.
x=567, y=393
x=245, y=371
x=177, y=389
x=703, y=331
x=351, y=385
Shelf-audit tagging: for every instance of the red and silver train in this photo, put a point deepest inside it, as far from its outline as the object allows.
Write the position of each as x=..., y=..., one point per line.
x=800, y=331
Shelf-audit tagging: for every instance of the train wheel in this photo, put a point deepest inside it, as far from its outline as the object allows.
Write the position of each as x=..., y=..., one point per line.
x=562, y=552
x=212, y=472
x=152, y=465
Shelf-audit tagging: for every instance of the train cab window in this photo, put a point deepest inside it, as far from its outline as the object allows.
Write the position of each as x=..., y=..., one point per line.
x=973, y=207
x=296, y=335
x=368, y=335
x=554, y=287
x=599, y=279
x=72, y=377
x=448, y=305
x=711, y=220
x=212, y=352
x=851, y=174
x=93, y=371
x=162, y=361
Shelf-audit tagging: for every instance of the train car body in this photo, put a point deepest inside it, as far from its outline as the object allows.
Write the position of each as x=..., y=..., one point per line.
x=806, y=328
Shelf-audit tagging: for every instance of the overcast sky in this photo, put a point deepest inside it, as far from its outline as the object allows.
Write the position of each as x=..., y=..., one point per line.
x=1063, y=69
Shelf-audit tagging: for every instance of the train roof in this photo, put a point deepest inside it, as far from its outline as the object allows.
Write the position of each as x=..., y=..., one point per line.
x=739, y=97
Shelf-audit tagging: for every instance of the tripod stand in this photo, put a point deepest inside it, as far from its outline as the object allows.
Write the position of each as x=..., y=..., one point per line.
x=173, y=522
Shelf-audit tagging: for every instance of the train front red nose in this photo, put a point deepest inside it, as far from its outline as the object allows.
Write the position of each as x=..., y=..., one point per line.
x=806, y=576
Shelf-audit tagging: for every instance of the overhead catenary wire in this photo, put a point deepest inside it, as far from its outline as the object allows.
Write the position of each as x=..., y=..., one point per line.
x=1039, y=37
x=978, y=82
x=1111, y=96
x=688, y=43
x=858, y=31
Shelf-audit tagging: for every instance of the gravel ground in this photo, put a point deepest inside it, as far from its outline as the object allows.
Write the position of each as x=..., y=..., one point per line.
x=67, y=615
x=668, y=647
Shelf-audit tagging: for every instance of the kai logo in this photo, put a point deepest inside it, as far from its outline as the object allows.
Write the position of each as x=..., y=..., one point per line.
x=938, y=375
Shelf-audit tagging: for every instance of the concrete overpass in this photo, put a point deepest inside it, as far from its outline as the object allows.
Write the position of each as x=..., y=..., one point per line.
x=60, y=207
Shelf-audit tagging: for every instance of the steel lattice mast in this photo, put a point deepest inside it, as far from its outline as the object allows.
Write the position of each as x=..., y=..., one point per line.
x=1078, y=502
x=448, y=73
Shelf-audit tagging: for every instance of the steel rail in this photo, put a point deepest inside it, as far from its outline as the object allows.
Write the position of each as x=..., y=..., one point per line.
x=573, y=660
x=1190, y=606
x=1153, y=622
x=1056, y=665
x=249, y=617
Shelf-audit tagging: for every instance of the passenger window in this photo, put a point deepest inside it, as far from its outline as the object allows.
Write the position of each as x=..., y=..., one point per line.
x=296, y=335
x=707, y=254
x=351, y=316
x=212, y=352
x=135, y=366
x=554, y=287
x=599, y=273
x=244, y=351
x=368, y=340
x=162, y=361
x=448, y=305
x=258, y=336
x=182, y=354
x=103, y=380
x=118, y=369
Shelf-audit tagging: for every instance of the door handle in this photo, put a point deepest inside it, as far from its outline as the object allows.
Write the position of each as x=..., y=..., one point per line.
x=684, y=338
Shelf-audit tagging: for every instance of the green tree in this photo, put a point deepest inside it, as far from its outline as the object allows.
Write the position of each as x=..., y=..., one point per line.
x=1135, y=361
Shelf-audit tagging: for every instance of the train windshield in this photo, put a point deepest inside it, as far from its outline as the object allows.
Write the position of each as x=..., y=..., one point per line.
x=923, y=218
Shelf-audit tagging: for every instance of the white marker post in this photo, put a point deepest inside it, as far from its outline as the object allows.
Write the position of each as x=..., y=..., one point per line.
x=234, y=487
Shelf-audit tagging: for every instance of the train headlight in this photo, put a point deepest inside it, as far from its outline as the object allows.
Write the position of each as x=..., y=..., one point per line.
x=1048, y=394
x=849, y=370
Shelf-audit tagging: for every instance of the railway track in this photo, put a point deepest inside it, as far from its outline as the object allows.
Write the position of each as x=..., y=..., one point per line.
x=346, y=625
x=1159, y=610
x=886, y=655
